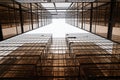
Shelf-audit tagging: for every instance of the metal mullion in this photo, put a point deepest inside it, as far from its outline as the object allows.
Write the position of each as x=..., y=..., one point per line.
x=91, y=17
x=21, y=18
x=1, y=33
x=31, y=13
x=111, y=19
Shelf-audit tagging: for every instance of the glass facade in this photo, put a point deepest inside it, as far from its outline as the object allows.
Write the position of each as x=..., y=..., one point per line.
x=17, y=18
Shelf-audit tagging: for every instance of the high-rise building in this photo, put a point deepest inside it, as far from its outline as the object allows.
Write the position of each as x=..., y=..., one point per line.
x=26, y=53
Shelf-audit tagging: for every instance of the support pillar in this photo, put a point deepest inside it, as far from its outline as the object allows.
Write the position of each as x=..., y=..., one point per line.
x=31, y=15
x=21, y=18
x=111, y=19
x=1, y=34
x=91, y=16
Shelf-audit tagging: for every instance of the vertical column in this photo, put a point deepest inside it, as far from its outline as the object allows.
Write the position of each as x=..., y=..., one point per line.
x=41, y=19
x=91, y=16
x=15, y=19
x=38, y=15
x=111, y=19
x=95, y=22
x=31, y=15
x=1, y=34
x=82, y=16
x=21, y=18
x=74, y=16
x=77, y=15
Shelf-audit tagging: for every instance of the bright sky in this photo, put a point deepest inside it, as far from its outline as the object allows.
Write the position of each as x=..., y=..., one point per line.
x=58, y=28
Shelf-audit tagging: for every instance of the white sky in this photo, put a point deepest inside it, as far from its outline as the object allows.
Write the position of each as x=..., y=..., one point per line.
x=58, y=28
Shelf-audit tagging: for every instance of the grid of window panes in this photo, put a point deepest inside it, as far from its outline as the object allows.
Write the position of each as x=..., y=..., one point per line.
x=97, y=57
x=19, y=56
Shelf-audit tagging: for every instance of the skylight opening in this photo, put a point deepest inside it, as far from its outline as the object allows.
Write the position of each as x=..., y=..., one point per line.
x=63, y=4
x=58, y=29
x=45, y=5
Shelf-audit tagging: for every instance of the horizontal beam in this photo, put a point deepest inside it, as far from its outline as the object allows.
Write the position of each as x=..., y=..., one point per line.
x=45, y=1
